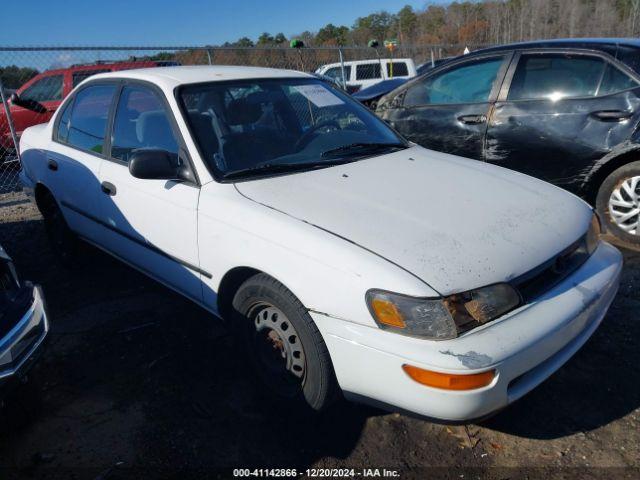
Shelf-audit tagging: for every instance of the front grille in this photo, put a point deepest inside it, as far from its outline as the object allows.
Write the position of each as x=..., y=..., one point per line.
x=541, y=279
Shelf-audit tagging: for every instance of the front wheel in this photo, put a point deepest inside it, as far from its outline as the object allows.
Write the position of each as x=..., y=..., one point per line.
x=283, y=345
x=618, y=203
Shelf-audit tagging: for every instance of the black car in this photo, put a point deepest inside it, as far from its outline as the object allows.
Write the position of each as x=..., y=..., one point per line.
x=566, y=111
x=23, y=322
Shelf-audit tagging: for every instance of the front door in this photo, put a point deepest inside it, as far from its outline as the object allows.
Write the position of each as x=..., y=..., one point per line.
x=151, y=224
x=448, y=109
x=559, y=112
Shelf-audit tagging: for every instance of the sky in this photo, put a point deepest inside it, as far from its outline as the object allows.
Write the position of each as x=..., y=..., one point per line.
x=185, y=22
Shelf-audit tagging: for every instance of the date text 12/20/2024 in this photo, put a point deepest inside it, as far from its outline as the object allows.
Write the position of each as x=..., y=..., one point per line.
x=316, y=472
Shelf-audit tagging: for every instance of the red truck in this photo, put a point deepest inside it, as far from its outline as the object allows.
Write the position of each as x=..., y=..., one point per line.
x=35, y=101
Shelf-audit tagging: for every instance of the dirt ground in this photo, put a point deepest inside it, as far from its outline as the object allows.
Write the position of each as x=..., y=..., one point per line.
x=137, y=382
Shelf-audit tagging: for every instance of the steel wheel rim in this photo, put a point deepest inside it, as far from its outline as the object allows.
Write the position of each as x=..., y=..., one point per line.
x=624, y=205
x=279, y=352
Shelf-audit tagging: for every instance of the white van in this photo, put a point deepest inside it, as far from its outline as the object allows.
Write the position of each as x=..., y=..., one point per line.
x=364, y=73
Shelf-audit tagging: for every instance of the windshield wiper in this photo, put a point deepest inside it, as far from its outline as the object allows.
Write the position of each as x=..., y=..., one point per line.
x=267, y=168
x=360, y=148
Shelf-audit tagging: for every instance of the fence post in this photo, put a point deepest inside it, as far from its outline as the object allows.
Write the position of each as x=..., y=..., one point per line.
x=209, y=56
x=344, y=80
x=12, y=129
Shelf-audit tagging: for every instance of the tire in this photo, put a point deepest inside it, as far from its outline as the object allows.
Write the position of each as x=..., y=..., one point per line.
x=63, y=241
x=283, y=345
x=618, y=197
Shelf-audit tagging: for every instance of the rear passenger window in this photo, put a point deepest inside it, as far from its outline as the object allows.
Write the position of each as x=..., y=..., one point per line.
x=615, y=80
x=399, y=69
x=556, y=76
x=88, y=122
x=141, y=121
x=368, y=71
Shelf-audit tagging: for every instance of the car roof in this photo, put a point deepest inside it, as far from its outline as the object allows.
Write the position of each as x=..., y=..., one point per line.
x=593, y=43
x=365, y=61
x=170, y=77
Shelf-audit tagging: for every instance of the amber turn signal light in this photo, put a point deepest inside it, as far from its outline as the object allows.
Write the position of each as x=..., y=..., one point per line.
x=387, y=313
x=449, y=381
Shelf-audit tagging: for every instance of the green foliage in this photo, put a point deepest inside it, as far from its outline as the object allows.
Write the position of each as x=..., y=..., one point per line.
x=14, y=77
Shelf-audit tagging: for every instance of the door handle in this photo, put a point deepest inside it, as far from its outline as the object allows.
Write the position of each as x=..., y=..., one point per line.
x=612, y=115
x=52, y=165
x=472, y=119
x=108, y=188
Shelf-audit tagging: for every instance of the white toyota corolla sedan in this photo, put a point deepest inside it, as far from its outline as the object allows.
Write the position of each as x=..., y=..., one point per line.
x=347, y=258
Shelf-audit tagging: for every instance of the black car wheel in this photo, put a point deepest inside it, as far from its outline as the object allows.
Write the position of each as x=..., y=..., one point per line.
x=62, y=239
x=283, y=345
x=618, y=203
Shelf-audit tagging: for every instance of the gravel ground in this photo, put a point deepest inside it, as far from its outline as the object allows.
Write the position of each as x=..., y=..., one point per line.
x=137, y=382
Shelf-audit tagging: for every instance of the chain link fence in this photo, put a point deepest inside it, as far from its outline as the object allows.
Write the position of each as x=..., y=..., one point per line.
x=40, y=77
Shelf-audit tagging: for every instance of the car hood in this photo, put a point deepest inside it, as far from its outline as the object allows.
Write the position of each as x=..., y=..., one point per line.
x=456, y=224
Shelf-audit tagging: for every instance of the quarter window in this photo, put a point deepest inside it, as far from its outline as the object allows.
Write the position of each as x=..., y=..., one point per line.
x=141, y=121
x=615, y=80
x=368, y=71
x=64, y=122
x=45, y=89
x=467, y=83
x=556, y=76
x=88, y=122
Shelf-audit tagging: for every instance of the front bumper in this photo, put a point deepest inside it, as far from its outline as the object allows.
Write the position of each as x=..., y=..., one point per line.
x=524, y=347
x=21, y=345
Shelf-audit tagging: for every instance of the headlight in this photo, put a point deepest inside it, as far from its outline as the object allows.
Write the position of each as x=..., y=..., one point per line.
x=592, y=237
x=441, y=318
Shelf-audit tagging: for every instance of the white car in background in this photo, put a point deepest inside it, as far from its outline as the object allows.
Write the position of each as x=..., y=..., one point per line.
x=347, y=258
x=361, y=74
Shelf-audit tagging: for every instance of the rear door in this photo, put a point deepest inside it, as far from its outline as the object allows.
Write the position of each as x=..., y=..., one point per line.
x=366, y=74
x=151, y=224
x=447, y=110
x=559, y=111
x=76, y=153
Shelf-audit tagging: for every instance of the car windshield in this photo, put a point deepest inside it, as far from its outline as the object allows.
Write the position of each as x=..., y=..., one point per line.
x=272, y=126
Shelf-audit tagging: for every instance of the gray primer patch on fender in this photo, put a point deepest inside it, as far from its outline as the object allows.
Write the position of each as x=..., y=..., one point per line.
x=471, y=359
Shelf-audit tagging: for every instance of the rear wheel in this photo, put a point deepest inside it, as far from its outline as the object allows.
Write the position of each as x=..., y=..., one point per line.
x=283, y=345
x=62, y=239
x=618, y=203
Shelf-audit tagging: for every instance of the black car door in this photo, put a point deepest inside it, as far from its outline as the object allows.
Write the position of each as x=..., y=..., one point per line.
x=447, y=109
x=560, y=111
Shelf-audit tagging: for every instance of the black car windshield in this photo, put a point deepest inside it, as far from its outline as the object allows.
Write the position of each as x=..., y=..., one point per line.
x=260, y=127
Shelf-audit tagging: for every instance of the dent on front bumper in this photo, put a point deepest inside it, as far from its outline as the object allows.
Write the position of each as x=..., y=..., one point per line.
x=524, y=347
x=20, y=346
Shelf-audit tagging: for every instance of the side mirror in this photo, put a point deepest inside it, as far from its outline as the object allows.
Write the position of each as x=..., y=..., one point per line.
x=26, y=103
x=151, y=164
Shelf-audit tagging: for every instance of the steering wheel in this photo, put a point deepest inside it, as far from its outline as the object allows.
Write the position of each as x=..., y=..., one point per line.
x=306, y=137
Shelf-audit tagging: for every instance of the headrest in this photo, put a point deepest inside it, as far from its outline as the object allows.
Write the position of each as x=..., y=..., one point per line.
x=243, y=112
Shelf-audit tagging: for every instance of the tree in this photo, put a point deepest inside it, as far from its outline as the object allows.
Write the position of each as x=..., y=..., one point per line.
x=332, y=35
x=407, y=21
x=265, y=39
x=244, y=42
x=14, y=77
x=280, y=39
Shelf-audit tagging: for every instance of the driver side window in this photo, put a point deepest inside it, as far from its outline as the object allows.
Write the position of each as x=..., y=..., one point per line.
x=468, y=83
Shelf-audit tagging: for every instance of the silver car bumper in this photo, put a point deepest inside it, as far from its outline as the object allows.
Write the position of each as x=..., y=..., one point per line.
x=20, y=346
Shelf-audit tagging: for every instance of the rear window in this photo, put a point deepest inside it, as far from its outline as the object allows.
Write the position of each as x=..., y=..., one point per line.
x=368, y=71
x=46, y=89
x=399, y=69
x=615, y=80
x=78, y=77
